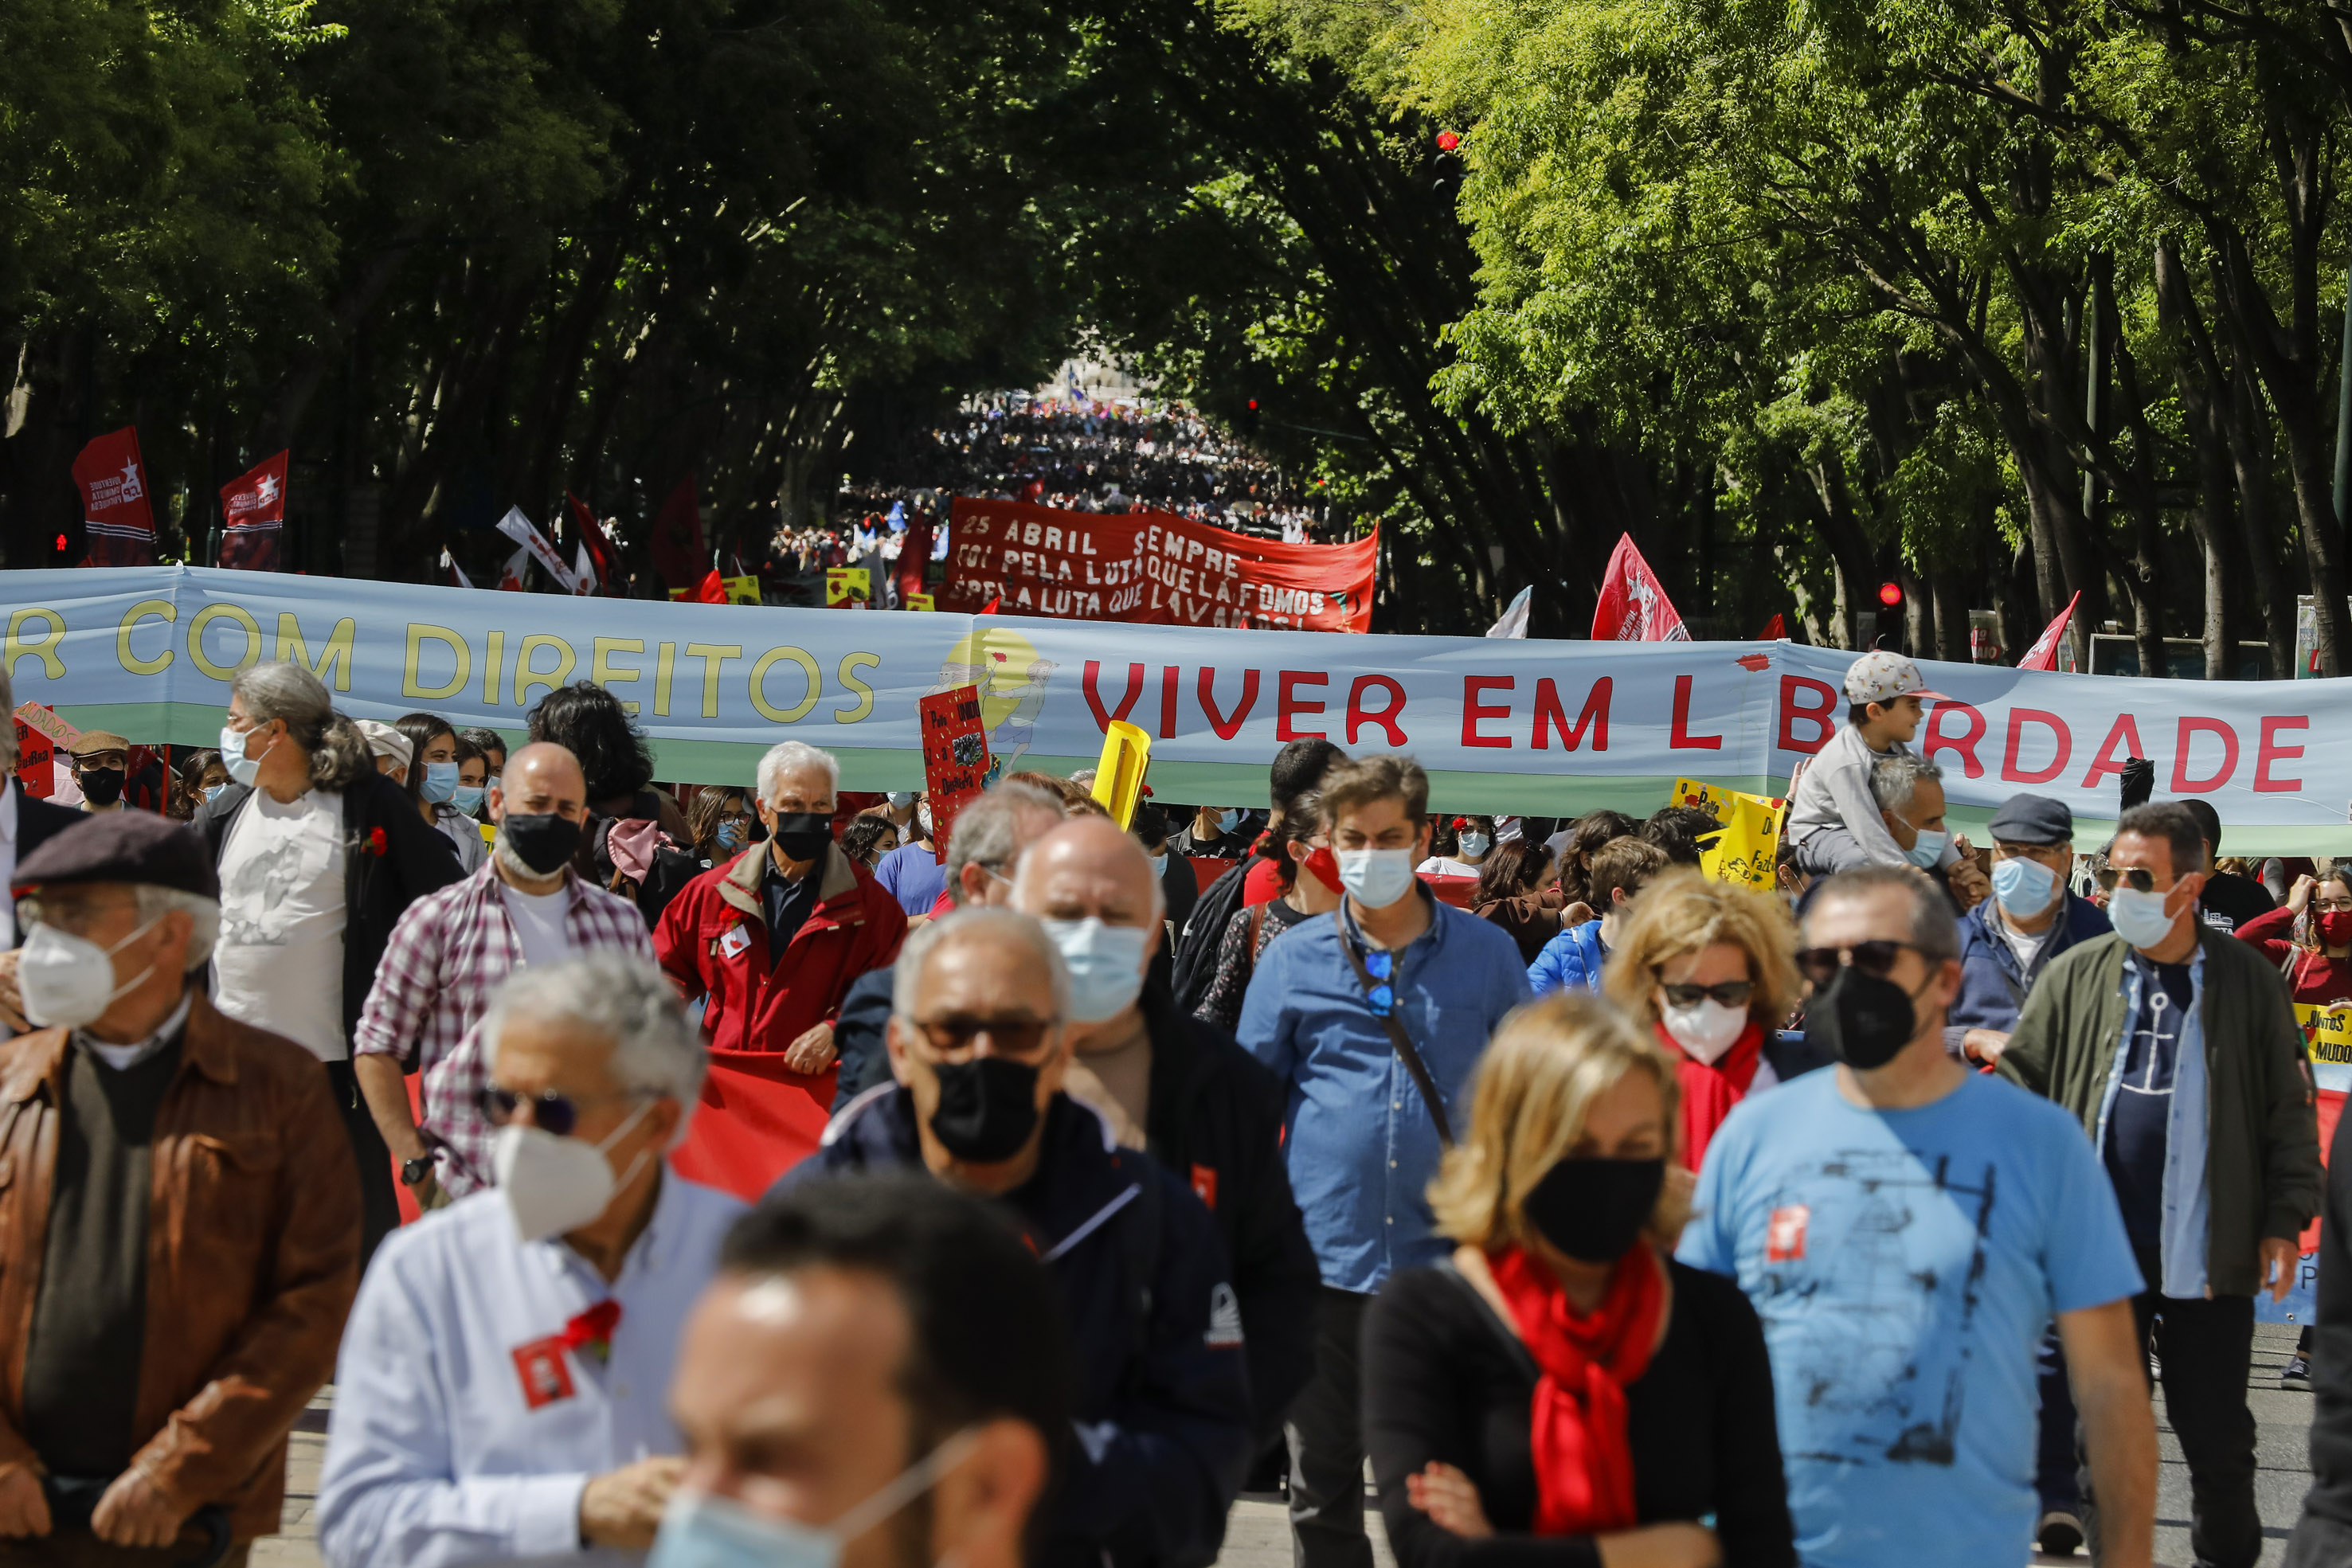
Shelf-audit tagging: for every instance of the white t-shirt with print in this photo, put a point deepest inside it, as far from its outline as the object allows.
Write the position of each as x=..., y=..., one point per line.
x=278, y=965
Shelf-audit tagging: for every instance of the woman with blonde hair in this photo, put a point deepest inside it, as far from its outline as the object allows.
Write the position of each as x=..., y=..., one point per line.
x=1712, y=969
x=1562, y=1391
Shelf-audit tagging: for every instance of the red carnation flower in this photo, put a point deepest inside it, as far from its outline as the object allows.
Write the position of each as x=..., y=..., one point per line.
x=376, y=844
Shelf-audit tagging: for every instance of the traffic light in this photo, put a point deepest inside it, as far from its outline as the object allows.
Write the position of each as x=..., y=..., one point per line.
x=1890, y=594
x=1249, y=418
x=62, y=544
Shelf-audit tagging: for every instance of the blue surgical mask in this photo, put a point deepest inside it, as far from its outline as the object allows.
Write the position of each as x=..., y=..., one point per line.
x=1472, y=844
x=1228, y=821
x=440, y=782
x=468, y=797
x=901, y=799
x=700, y=1530
x=1928, y=850
x=2023, y=886
x=241, y=767
x=1106, y=965
x=733, y=836
x=1377, y=878
x=215, y=792
x=2139, y=917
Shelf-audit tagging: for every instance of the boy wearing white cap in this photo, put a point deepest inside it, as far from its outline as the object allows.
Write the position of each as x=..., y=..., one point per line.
x=1834, y=823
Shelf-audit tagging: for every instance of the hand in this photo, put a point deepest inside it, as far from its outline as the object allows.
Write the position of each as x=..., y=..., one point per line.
x=1984, y=1045
x=12, y=1001
x=2280, y=1262
x=1969, y=885
x=1450, y=1500
x=623, y=1508
x=133, y=1514
x=1576, y=913
x=2300, y=894
x=23, y=1510
x=813, y=1052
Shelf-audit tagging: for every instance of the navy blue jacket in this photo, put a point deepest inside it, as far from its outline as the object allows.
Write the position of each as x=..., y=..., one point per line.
x=1163, y=1411
x=1992, y=988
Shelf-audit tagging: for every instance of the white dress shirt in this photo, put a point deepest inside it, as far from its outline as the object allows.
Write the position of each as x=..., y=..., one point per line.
x=435, y=1458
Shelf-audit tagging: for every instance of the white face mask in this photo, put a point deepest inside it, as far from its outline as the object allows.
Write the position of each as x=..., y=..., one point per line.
x=700, y=1530
x=1106, y=965
x=2139, y=917
x=553, y=1184
x=1376, y=878
x=67, y=981
x=1473, y=844
x=241, y=767
x=1705, y=1031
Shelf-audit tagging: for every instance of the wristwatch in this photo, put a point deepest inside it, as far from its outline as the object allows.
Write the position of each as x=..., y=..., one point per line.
x=416, y=1170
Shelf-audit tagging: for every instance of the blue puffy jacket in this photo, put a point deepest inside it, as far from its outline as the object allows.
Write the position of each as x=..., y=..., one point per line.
x=1163, y=1410
x=1569, y=961
x=1992, y=987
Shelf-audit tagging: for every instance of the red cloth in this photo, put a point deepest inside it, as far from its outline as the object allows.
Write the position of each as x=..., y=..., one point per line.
x=678, y=550
x=1633, y=607
x=1262, y=883
x=1584, y=1464
x=2316, y=978
x=1710, y=1091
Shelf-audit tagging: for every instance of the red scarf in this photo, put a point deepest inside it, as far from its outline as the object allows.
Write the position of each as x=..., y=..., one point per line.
x=1584, y=1464
x=1711, y=1089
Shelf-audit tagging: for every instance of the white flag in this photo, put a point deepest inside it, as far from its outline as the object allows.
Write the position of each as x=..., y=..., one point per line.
x=457, y=578
x=510, y=578
x=517, y=527
x=584, y=571
x=1514, y=622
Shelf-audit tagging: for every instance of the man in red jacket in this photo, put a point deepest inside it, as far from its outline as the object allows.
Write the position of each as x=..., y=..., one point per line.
x=771, y=941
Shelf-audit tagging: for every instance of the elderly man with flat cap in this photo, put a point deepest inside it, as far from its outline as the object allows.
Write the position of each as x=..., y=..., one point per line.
x=180, y=1215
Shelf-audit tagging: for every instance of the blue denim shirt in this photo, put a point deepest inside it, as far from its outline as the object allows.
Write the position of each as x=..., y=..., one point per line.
x=2187, y=1202
x=1361, y=1144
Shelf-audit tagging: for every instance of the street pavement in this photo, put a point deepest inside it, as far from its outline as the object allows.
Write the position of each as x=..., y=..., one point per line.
x=1258, y=1535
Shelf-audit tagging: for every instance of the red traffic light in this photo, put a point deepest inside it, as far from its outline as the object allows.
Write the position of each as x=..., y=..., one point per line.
x=1890, y=594
x=62, y=544
x=1447, y=142
x=1253, y=402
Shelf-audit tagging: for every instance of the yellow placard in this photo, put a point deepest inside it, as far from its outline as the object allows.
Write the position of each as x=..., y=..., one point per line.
x=1118, y=777
x=844, y=583
x=742, y=589
x=1747, y=851
x=921, y=602
x=2328, y=1030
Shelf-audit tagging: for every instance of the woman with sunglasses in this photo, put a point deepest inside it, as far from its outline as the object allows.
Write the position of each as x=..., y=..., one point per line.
x=1560, y=1391
x=1708, y=966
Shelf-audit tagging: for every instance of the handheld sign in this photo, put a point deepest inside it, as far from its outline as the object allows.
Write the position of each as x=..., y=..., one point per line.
x=844, y=584
x=1746, y=852
x=921, y=601
x=955, y=757
x=742, y=589
x=1118, y=777
x=35, y=761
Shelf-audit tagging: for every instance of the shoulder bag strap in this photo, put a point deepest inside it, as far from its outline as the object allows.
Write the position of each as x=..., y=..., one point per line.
x=1398, y=1041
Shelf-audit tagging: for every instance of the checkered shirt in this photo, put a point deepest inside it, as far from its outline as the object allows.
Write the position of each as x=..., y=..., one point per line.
x=447, y=956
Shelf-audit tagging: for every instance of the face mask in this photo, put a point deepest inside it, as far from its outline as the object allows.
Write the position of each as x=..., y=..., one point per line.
x=440, y=781
x=901, y=799
x=1705, y=1031
x=1377, y=878
x=2024, y=887
x=1473, y=844
x=101, y=786
x=1928, y=850
x=241, y=767
x=1326, y=867
x=1594, y=1210
x=467, y=798
x=803, y=835
x=699, y=1531
x=1105, y=965
x=553, y=1184
x=1862, y=1020
x=2335, y=927
x=542, y=840
x=215, y=792
x=1228, y=821
x=923, y=818
x=67, y=981
x=2139, y=918
x=732, y=837
x=988, y=1108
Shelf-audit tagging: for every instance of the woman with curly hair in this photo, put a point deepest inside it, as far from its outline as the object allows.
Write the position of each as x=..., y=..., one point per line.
x=590, y=722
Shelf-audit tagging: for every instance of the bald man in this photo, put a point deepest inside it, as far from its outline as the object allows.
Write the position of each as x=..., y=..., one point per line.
x=1177, y=1086
x=449, y=953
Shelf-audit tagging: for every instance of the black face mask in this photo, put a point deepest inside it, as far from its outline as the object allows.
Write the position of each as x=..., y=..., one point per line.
x=988, y=1108
x=102, y=786
x=1594, y=1210
x=541, y=841
x=803, y=835
x=1862, y=1019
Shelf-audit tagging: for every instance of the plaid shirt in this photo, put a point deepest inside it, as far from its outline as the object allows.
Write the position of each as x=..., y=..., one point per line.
x=447, y=958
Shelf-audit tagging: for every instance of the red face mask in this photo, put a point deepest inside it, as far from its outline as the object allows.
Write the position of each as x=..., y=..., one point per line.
x=1326, y=867
x=2335, y=927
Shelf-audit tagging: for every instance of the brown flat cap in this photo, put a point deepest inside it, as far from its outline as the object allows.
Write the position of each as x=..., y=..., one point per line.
x=91, y=740
x=123, y=846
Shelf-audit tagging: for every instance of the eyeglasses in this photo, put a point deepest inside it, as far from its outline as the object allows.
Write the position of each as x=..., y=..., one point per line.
x=2138, y=878
x=75, y=917
x=1010, y=1036
x=1381, y=964
x=550, y=1113
x=1875, y=958
x=1726, y=993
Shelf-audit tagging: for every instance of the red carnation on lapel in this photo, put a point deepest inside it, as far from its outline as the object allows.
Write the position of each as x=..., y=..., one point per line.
x=376, y=844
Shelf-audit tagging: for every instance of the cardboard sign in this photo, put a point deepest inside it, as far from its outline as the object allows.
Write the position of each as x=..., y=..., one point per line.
x=955, y=757
x=921, y=601
x=742, y=589
x=1119, y=775
x=44, y=718
x=1747, y=851
x=844, y=584
x=35, y=766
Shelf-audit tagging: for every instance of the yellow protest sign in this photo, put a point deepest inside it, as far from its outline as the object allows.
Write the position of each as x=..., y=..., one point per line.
x=1747, y=850
x=2329, y=1032
x=844, y=583
x=1118, y=777
x=741, y=590
x=921, y=602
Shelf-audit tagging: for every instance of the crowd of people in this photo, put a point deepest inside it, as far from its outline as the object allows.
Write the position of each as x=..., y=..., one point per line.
x=785, y=1188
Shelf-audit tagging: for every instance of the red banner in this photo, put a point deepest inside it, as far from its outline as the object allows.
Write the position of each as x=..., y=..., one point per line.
x=254, y=508
x=679, y=554
x=955, y=757
x=1633, y=607
x=114, y=509
x=1152, y=567
x=2044, y=654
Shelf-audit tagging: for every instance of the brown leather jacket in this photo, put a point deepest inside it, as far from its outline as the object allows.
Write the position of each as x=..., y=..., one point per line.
x=253, y=1257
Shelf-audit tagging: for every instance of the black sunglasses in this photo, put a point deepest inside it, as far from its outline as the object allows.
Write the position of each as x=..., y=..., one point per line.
x=1875, y=958
x=1727, y=993
x=556, y=1113
x=1010, y=1036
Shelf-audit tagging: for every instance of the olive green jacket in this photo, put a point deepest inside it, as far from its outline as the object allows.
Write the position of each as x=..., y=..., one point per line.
x=2262, y=1168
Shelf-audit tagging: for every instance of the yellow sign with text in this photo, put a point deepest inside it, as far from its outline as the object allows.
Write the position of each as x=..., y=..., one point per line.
x=2329, y=1032
x=844, y=583
x=1747, y=851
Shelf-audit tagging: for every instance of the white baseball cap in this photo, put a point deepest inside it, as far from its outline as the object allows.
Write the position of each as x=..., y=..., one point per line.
x=385, y=741
x=1881, y=677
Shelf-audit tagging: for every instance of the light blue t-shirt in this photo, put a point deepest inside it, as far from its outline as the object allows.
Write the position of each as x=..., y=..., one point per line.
x=1905, y=1264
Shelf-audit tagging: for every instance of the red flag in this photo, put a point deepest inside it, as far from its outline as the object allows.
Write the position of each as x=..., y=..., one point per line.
x=990, y=608
x=679, y=554
x=510, y=578
x=2044, y=654
x=1633, y=608
x=114, y=509
x=713, y=588
x=600, y=549
x=255, y=510
x=1774, y=629
x=914, y=556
